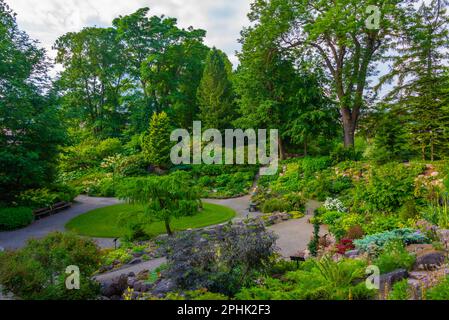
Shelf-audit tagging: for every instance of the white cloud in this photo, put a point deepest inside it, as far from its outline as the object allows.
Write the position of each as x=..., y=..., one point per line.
x=46, y=20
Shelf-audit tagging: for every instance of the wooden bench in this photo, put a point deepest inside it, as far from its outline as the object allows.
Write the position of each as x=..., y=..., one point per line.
x=57, y=207
x=300, y=257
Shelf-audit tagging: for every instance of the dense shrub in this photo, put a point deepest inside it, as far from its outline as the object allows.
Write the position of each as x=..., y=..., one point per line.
x=400, y=291
x=132, y=166
x=394, y=256
x=15, y=218
x=46, y=197
x=316, y=280
x=88, y=154
x=439, y=292
x=221, y=263
x=386, y=188
x=381, y=223
x=37, y=272
x=407, y=236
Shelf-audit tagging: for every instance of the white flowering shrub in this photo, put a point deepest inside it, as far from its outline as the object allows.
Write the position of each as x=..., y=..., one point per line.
x=334, y=205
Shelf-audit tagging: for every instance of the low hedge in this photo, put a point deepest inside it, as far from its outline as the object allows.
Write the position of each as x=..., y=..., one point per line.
x=15, y=218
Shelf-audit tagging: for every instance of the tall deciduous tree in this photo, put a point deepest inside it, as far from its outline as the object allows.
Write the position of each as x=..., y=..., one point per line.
x=30, y=129
x=343, y=34
x=215, y=92
x=165, y=66
x=274, y=93
x=93, y=78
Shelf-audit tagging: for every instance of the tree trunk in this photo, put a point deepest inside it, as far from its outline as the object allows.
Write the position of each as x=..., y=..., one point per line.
x=281, y=150
x=305, y=148
x=348, y=128
x=167, y=227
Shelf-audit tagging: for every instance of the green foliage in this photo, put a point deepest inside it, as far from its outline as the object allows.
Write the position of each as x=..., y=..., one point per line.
x=201, y=294
x=37, y=272
x=394, y=256
x=223, y=181
x=44, y=198
x=407, y=236
x=439, y=292
x=89, y=154
x=317, y=280
x=421, y=98
x=156, y=144
x=122, y=255
x=225, y=262
x=132, y=166
x=387, y=188
x=313, y=245
x=400, y=291
x=30, y=124
x=215, y=93
x=15, y=218
x=164, y=197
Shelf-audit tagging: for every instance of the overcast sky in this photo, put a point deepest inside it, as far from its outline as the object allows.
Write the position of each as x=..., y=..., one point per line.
x=46, y=20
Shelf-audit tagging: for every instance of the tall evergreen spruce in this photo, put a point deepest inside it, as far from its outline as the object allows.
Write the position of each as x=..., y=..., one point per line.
x=156, y=144
x=421, y=70
x=215, y=95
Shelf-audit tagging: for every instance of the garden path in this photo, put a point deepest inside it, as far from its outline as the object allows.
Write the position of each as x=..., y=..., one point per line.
x=294, y=235
x=39, y=229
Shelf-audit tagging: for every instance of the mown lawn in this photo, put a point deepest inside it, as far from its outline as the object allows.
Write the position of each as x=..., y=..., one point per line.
x=110, y=222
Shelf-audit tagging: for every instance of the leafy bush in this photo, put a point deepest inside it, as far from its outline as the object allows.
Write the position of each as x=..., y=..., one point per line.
x=439, y=292
x=341, y=226
x=37, y=272
x=121, y=255
x=387, y=188
x=15, y=218
x=400, y=291
x=317, y=280
x=88, y=154
x=345, y=245
x=381, y=223
x=407, y=236
x=394, y=256
x=340, y=153
x=222, y=262
x=309, y=166
x=136, y=232
x=355, y=232
x=44, y=198
x=274, y=205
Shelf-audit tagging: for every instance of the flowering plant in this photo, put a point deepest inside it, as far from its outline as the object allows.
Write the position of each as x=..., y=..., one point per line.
x=334, y=205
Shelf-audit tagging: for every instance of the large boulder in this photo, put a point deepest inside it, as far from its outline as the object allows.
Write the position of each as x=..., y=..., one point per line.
x=389, y=279
x=115, y=287
x=430, y=260
x=163, y=287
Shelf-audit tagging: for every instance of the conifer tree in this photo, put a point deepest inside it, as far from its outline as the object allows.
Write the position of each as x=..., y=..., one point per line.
x=421, y=74
x=215, y=94
x=156, y=143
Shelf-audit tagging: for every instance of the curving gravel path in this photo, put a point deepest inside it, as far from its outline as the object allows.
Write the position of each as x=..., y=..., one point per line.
x=294, y=235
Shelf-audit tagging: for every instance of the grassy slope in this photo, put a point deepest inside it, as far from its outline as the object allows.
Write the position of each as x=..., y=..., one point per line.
x=109, y=222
